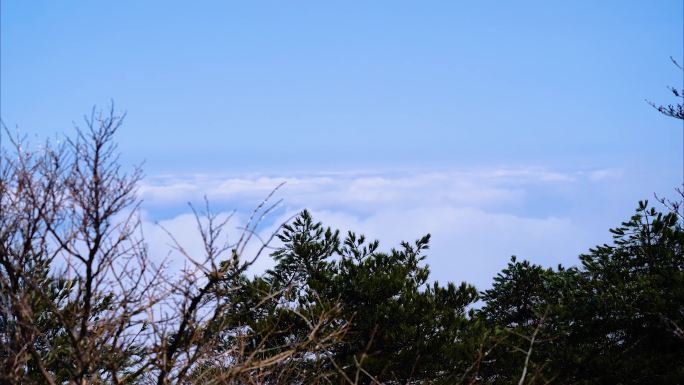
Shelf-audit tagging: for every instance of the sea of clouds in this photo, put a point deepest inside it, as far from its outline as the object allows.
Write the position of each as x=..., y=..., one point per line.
x=478, y=218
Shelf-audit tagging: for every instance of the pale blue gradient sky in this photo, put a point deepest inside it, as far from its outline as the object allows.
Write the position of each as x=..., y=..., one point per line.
x=286, y=88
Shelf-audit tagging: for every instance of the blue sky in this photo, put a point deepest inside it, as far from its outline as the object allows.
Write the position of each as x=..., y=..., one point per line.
x=508, y=127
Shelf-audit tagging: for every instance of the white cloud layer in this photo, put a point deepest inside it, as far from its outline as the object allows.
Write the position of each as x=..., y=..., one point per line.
x=478, y=218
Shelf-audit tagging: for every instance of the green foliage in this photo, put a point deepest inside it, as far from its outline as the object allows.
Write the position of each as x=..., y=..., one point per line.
x=615, y=319
x=637, y=301
x=400, y=327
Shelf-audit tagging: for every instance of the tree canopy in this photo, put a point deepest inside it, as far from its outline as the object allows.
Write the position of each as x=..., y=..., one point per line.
x=81, y=301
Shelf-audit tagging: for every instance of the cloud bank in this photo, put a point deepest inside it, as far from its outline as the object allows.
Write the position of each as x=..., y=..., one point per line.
x=478, y=218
